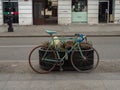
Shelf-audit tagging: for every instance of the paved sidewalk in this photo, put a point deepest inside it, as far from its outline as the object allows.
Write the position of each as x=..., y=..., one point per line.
x=36, y=31
x=19, y=76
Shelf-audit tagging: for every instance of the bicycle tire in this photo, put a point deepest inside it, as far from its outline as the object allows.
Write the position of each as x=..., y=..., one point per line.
x=40, y=71
x=87, y=65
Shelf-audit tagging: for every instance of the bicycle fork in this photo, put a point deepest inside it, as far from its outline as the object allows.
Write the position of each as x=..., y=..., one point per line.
x=83, y=57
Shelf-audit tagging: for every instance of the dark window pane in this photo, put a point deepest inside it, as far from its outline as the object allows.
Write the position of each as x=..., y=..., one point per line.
x=10, y=7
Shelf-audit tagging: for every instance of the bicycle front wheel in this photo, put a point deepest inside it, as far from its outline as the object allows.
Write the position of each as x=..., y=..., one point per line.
x=89, y=63
x=38, y=65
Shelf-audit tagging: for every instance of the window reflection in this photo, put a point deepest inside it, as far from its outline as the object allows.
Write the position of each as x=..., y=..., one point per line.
x=51, y=11
x=79, y=5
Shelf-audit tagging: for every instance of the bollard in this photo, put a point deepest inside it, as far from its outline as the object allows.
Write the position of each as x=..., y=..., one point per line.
x=9, y=22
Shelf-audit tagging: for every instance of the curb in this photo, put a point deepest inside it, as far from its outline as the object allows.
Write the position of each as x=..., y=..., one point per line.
x=23, y=36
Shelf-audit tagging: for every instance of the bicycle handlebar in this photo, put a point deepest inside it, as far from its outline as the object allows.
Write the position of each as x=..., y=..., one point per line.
x=81, y=37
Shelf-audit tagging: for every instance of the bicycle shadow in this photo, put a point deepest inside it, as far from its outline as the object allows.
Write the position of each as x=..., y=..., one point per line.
x=23, y=67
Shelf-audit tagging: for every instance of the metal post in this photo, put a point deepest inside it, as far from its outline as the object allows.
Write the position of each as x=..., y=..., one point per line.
x=10, y=28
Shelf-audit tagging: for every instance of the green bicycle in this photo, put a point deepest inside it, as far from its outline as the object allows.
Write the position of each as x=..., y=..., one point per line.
x=52, y=56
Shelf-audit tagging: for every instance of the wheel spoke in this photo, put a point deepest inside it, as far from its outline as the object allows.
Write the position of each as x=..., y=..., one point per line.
x=37, y=64
x=85, y=65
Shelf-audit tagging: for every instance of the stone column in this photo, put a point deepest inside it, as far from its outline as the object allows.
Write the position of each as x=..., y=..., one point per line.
x=93, y=11
x=64, y=12
x=25, y=12
x=117, y=12
x=1, y=13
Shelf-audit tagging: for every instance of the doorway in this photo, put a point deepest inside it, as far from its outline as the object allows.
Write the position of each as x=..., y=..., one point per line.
x=106, y=11
x=45, y=12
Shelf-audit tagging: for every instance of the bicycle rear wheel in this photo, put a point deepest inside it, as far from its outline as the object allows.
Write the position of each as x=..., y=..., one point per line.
x=85, y=65
x=36, y=63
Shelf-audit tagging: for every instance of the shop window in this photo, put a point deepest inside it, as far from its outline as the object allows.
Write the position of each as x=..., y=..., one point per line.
x=79, y=11
x=51, y=11
x=10, y=7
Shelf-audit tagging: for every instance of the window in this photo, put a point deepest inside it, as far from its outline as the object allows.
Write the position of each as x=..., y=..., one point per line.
x=79, y=5
x=51, y=11
x=51, y=8
x=79, y=11
x=10, y=8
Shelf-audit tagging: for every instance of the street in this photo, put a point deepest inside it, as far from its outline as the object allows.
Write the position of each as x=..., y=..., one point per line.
x=17, y=75
x=19, y=48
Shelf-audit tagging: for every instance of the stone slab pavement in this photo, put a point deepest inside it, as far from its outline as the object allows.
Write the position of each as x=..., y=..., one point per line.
x=62, y=30
x=17, y=75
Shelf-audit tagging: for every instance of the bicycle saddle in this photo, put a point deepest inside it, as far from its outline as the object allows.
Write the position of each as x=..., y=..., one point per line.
x=50, y=31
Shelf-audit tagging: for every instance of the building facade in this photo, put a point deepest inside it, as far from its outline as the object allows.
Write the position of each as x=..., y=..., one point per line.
x=38, y=12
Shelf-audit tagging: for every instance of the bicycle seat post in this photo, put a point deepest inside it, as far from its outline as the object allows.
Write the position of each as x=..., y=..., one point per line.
x=51, y=35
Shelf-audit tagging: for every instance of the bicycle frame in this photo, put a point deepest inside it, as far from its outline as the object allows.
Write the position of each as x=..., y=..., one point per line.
x=53, y=55
x=74, y=47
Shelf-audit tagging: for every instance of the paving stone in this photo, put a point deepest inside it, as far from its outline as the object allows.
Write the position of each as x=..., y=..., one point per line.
x=2, y=84
x=17, y=85
x=112, y=84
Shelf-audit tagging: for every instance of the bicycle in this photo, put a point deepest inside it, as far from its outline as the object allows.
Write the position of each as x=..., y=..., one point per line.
x=75, y=52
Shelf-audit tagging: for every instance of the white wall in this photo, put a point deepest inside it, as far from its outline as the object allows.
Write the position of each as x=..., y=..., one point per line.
x=93, y=11
x=25, y=12
x=64, y=11
x=1, y=14
x=117, y=11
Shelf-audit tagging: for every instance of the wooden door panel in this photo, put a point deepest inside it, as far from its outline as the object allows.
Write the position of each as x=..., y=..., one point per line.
x=38, y=13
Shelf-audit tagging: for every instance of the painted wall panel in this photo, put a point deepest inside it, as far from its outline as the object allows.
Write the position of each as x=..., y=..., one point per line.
x=64, y=7
x=64, y=11
x=117, y=12
x=65, y=15
x=1, y=14
x=93, y=11
x=93, y=15
x=25, y=12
